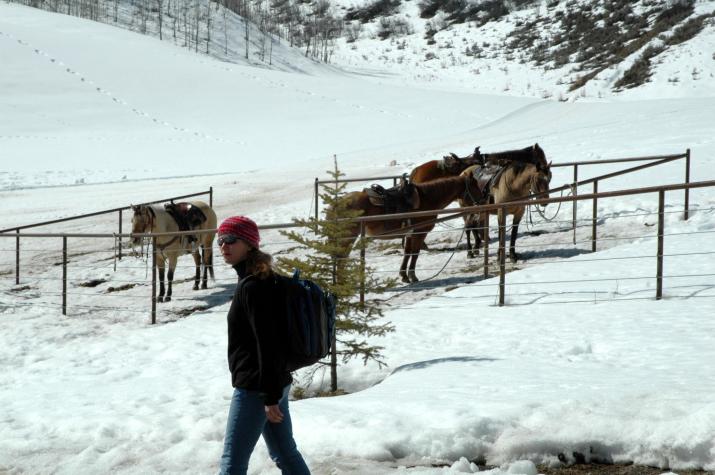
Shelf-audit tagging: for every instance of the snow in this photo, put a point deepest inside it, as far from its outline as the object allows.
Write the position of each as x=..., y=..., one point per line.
x=583, y=361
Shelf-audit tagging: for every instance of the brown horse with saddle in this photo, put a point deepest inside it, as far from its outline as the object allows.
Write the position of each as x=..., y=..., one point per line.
x=434, y=195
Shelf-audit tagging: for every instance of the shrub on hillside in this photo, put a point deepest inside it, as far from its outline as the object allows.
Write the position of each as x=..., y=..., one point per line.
x=462, y=11
x=688, y=29
x=639, y=73
x=373, y=10
x=389, y=27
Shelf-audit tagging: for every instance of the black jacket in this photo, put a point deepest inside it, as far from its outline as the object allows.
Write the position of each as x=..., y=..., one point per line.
x=255, y=350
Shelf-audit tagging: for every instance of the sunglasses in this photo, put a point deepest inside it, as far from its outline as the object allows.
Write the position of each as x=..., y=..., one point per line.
x=226, y=239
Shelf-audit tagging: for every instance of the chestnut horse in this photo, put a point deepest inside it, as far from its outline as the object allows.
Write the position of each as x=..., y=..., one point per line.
x=450, y=165
x=518, y=180
x=434, y=195
x=155, y=219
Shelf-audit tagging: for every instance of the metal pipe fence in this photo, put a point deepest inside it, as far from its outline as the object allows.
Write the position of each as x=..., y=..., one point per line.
x=500, y=254
x=573, y=187
x=120, y=210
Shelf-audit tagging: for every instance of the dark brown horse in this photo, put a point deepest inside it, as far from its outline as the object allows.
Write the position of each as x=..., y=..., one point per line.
x=434, y=195
x=519, y=179
x=450, y=165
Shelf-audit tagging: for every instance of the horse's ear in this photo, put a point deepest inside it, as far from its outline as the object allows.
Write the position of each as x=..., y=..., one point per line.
x=454, y=155
x=549, y=165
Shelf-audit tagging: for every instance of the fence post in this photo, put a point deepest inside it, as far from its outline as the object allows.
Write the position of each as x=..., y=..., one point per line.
x=594, y=220
x=687, y=180
x=211, y=196
x=574, y=190
x=661, y=229
x=502, y=255
x=17, y=257
x=316, y=198
x=120, y=233
x=334, y=343
x=64, y=275
x=153, y=280
x=484, y=219
x=362, y=263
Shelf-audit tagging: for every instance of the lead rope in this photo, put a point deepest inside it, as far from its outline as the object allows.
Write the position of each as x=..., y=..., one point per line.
x=541, y=213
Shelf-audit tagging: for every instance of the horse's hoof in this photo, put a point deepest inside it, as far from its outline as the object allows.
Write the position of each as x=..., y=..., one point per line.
x=167, y=299
x=405, y=279
x=204, y=286
x=195, y=287
x=160, y=299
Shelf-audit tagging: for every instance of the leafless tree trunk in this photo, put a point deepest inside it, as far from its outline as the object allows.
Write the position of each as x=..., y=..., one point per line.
x=197, y=15
x=208, y=25
x=160, y=19
x=248, y=30
x=225, y=30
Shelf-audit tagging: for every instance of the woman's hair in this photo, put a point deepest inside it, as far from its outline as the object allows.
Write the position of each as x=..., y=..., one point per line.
x=259, y=263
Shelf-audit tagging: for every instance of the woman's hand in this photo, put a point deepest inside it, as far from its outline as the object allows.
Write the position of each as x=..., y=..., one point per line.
x=274, y=414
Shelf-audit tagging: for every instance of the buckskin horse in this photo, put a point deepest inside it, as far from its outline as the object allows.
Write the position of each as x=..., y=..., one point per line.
x=433, y=195
x=515, y=176
x=156, y=219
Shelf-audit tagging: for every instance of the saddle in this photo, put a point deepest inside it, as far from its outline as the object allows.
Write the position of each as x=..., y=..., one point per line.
x=187, y=217
x=485, y=177
x=398, y=199
x=454, y=165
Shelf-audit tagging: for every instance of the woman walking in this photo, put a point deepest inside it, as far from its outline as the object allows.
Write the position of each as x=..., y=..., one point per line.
x=259, y=405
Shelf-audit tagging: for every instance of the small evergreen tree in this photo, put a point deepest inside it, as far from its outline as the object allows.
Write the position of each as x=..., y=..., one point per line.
x=329, y=264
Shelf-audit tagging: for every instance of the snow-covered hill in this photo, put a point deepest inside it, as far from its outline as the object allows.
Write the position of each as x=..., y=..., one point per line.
x=560, y=49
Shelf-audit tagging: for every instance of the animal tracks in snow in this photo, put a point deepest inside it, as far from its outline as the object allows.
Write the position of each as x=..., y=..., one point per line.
x=117, y=100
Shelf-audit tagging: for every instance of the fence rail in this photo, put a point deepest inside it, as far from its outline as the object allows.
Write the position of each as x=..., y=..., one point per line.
x=17, y=229
x=573, y=186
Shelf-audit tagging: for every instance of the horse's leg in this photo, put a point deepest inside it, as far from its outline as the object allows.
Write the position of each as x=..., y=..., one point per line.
x=160, y=265
x=514, y=230
x=197, y=262
x=170, y=276
x=414, y=251
x=471, y=223
x=210, y=259
x=405, y=257
x=204, y=262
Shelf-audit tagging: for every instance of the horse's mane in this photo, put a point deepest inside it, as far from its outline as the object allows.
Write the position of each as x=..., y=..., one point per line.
x=533, y=155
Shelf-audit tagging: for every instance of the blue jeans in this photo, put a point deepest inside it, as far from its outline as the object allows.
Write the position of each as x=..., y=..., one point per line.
x=246, y=422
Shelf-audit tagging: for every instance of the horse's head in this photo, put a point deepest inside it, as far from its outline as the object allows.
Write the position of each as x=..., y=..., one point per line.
x=141, y=222
x=539, y=157
x=541, y=179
